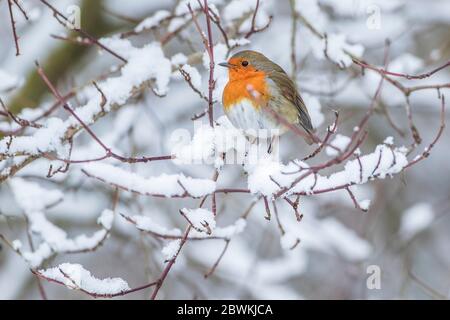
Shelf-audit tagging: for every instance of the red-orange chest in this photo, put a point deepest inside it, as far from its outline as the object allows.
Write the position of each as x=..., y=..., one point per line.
x=255, y=89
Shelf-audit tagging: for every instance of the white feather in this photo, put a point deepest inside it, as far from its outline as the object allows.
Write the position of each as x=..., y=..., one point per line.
x=255, y=122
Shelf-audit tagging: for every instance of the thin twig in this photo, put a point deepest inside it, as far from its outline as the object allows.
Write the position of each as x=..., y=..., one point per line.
x=13, y=26
x=57, y=14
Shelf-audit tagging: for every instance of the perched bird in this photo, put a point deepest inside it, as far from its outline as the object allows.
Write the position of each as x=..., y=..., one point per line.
x=260, y=95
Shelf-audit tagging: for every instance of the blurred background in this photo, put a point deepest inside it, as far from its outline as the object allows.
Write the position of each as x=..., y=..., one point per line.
x=405, y=233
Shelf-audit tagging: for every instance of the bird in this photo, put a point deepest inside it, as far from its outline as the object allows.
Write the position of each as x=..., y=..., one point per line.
x=260, y=95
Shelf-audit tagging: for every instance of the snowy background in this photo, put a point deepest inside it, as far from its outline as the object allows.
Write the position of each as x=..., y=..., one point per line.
x=107, y=226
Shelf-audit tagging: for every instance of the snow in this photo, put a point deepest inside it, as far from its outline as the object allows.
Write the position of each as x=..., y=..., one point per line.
x=57, y=238
x=16, y=244
x=199, y=150
x=229, y=231
x=196, y=78
x=335, y=46
x=208, y=143
x=182, y=6
x=164, y=184
x=238, y=9
x=36, y=258
x=331, y=236
x=205, y=145
x=311, y=10
x=223, y=232
x=146, y=223
x=74, y=276
x=31, y=197
x=8, y=81
x=179, y=59
x=416, y=219
x=238, y=42
x=47, y=138
x=152, y=21
x=406, y=63
x=34, y=199
x=381, y=163
x=177, y=23
x=202, y=220
x=171, y=249
x=389, y=141
x=213, y=8
x=290, y=263
x=347, y=242
x=341, y=142
x=364, y=204
x=106, y=219
x=144, y=64
x=259, y=177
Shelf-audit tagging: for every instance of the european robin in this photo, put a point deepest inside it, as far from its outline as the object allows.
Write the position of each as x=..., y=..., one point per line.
x=256, y=83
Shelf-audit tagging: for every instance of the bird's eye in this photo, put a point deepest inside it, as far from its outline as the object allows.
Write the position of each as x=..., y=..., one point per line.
x=244, y=63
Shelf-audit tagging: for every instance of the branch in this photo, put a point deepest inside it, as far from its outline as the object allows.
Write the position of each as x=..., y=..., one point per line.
x=13, y=26
x=108, y=152
x=384, y=71
x=57, y=14
x=207, y=42
x=426, y=153
x=253, y=28
x=216, y=264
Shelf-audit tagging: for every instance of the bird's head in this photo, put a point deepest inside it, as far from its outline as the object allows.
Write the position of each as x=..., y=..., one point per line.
x=247, y=64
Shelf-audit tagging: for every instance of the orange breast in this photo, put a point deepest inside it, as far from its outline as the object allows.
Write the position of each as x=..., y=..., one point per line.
x=253, y=88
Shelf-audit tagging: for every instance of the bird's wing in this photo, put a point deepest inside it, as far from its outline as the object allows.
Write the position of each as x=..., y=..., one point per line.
x=289, y=91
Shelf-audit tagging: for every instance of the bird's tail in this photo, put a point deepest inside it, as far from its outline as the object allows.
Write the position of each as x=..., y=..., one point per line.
x=310, y=135
x=306, y=125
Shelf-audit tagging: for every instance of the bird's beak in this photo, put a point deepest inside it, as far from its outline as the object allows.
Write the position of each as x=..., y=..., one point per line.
x=226, y=65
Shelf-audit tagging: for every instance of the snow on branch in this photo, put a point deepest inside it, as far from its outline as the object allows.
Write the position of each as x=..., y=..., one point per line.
x=200, y=219
x=146, y=224
x=34, y=199
x=271, y=178
x=145, y=65
x=268, y=176
x=335, y=48
x=165, y=185
x=152, y=21
x=75, y=277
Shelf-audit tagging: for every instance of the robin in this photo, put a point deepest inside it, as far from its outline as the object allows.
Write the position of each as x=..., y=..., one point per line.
x=260, y=95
